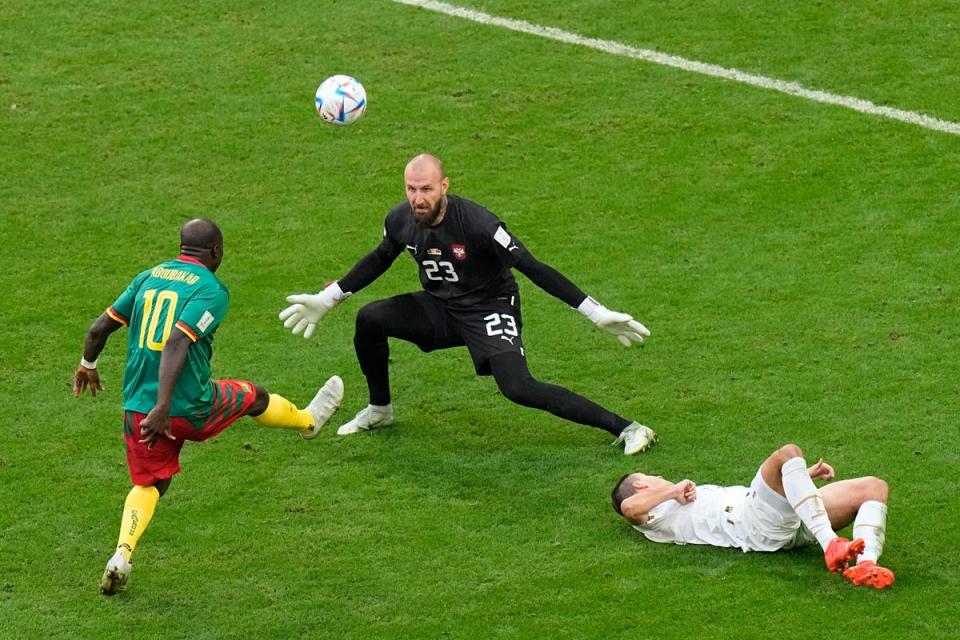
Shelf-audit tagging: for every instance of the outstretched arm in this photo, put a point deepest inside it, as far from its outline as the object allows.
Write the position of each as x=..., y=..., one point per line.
x=367, y=269
x=306, y=309
x=550, y=280
x=96, y=339
x=623, y=326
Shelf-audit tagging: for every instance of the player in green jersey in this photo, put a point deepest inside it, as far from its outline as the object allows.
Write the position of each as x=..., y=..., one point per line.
x=173, y=311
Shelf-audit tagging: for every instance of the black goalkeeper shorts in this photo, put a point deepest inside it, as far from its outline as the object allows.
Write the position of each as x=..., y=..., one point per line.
x=487, y=328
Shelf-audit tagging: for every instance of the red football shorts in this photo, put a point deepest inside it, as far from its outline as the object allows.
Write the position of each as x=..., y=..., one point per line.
x=231, y=400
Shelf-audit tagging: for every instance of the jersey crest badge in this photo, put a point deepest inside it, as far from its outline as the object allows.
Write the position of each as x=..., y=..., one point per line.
x=459, y=251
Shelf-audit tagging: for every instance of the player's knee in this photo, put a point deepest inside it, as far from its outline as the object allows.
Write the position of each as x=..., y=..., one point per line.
x=162, y=485
x=518, y=391
x=877, y=489
x=260, y=403
x=788, y=452
x=371, y=318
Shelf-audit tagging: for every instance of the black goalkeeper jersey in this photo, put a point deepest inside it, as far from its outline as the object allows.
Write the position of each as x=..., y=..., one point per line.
x=464, y=260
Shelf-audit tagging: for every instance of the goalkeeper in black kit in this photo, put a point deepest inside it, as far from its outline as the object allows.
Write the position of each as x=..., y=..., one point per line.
x=469, y=298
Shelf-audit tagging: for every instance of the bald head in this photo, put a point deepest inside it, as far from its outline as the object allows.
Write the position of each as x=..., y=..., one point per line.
x=426, y=185
x=201, y=233
x=202, y=239
x=425, y=165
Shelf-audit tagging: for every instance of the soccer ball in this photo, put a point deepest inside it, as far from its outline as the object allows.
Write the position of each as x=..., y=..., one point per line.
x=341, y=100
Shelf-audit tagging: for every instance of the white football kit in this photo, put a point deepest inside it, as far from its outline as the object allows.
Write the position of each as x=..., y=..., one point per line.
x=754, y=518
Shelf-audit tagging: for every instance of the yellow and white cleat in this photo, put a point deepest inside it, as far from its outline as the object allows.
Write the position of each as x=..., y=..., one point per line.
x=324, y=405
x=115, y=575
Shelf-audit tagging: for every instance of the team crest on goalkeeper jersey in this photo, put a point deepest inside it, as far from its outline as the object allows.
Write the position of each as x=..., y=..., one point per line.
x=459, y=251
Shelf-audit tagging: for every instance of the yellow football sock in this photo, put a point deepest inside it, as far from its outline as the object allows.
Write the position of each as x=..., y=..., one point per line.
x=281, y=413
x=137, y=511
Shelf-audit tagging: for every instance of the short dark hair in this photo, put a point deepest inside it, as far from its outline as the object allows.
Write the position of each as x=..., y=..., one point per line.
x=621, y=491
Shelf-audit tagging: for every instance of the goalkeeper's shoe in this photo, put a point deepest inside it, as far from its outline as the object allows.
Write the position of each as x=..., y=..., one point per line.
x=368, y=418
x=840, y=552
x=869, y=573
x=323, y=405
x=115, y=576
x=636, y=438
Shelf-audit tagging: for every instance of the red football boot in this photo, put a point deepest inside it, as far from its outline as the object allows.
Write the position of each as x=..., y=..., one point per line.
x=869, y=573
x=840, y=552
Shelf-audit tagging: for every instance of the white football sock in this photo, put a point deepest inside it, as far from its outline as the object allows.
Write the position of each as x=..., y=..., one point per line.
x=871, y=525
x=806, y=500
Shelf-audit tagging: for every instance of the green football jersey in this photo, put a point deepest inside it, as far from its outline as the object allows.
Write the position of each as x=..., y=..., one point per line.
x=179, y=295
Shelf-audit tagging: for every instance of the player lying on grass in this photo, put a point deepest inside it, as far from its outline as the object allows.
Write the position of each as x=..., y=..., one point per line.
x=173, y=311
x=781, y=509
x=465, y=256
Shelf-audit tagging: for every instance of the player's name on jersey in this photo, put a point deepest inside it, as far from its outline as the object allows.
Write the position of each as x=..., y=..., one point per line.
x=175, y=274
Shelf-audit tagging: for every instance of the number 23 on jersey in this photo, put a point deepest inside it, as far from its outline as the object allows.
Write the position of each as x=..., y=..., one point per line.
x=442, y=270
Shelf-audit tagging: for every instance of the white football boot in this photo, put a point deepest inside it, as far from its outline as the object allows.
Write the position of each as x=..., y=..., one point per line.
x=636, y=438
x=324, y=405
x=115, y=576
x=368, y=418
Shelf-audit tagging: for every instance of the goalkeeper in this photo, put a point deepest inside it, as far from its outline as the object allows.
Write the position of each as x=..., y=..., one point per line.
x=470, y=298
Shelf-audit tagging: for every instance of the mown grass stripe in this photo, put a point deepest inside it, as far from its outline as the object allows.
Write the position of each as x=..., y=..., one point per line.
x=694, y=66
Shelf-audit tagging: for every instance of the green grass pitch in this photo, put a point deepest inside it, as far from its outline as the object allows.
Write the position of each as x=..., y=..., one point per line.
x=795, y=262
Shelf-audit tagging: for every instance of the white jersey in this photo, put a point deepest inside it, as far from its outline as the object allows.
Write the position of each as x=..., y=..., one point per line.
x=752, y=519
x=706, y=520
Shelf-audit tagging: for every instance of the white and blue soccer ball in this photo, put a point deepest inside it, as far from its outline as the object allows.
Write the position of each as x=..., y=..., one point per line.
x=341, y=100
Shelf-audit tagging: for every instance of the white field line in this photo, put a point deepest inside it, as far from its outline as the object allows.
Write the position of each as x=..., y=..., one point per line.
x=620, y=49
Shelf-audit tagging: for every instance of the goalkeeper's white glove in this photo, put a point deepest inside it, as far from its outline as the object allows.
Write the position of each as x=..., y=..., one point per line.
x=624, y=327
x=306, y=309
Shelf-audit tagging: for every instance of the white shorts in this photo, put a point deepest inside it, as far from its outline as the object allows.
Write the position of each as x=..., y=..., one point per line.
x=765, y=521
